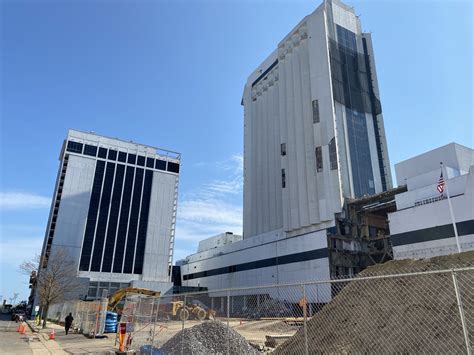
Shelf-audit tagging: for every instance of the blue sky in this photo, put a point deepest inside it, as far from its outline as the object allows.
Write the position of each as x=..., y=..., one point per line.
x=171, y=74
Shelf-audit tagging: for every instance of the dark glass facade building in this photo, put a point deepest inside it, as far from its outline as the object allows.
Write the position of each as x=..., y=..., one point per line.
x=114, y=211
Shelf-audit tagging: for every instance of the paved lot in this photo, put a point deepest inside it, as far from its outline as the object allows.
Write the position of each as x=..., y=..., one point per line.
x=11, y=341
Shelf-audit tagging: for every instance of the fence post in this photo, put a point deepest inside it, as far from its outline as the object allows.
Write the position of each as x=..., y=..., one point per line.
x=461, y=312
x=182, y=327
x=228, y=318
x=305, y=318
x=154, y=319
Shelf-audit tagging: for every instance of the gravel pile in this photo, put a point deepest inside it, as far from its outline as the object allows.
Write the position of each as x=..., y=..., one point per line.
x=409, y=315
x=270, y=308
x=207, y=338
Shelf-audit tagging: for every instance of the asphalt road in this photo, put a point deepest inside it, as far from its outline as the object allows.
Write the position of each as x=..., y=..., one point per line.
x=11, y=342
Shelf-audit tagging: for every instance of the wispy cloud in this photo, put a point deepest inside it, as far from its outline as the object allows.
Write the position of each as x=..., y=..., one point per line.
x=212, y=208
x=23, y=200
x=19, y=242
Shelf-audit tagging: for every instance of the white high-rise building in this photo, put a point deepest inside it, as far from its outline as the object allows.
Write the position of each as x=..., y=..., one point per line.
x=114, y=212
x=313, y=138
x=314, y=131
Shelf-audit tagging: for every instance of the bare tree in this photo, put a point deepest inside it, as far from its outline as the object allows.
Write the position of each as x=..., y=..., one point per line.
x=53, y=282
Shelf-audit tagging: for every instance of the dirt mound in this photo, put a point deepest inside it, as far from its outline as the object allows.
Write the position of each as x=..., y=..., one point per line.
x=207, y=338
x=410, y=314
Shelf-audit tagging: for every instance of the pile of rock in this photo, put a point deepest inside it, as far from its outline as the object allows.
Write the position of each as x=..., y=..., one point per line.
x=409, y=315
x=211, y=337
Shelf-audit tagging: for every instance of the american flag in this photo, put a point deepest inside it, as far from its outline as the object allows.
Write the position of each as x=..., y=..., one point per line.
x=440, y=186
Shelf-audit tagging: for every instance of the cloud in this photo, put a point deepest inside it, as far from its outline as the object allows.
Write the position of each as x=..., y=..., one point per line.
x=214, y=211
x=19, y=242
x=22, y=201
x=214, y=207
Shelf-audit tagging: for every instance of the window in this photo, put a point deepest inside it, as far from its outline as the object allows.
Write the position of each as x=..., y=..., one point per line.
x=102, y=152
x=142, y=228
x=283, y=178
x=90, y=150
x=332, y=154
x=160, y=164
x=112, y=154
x=103, y=217
x=133, y=223
x=141, y=160
x=315, y=111
x=74, y=147
x=113, y=218
x=283, y=149
x=150, y=163
x=92, y=216
x=123, y=220
x=173, y=167
x=319, y=159
x=132, y=159
x=122, y=157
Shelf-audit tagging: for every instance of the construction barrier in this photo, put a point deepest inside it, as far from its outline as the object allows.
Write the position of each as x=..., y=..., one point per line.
x=428, y=311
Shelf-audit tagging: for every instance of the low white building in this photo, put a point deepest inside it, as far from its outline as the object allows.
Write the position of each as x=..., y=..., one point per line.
x=422, y=225
x=266, y=259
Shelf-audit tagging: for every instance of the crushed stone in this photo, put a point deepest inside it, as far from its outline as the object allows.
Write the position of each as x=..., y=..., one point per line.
x=208, y=338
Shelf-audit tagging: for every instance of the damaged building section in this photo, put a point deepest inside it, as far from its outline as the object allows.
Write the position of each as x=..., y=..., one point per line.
x=361, y=237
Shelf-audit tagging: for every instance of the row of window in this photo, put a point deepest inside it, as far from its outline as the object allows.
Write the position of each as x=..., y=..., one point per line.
x=123, y=157
x=116, y=227
x=105, y=289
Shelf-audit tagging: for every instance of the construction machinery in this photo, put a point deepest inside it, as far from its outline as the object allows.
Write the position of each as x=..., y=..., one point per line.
x=117, y=296
x=194, y=309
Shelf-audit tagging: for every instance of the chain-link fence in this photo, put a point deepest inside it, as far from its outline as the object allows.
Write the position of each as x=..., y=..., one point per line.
x=89, y=317
x=418, y=312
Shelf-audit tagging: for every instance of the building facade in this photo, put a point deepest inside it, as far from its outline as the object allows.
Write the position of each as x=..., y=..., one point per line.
x=114, y=213
x=314, y=131
x=422, y=225
x=313, y=138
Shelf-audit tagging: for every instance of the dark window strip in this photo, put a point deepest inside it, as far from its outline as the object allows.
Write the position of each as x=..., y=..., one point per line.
x=265, y=73
x=433, y=233
x=74, y=147
x=374, y=101
x=103, y=216
x=142, y=229
x=123, y=221
x=90, y=150
x=114, y=155
x=133, y=224
x=92, y=217
x=280, y=260
x=173, y=167
x=113, y=219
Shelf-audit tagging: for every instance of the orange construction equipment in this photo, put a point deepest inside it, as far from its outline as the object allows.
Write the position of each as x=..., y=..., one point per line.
x=52, y=335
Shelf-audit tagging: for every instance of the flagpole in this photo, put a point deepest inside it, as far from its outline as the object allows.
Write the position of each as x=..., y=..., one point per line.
x=451, y=209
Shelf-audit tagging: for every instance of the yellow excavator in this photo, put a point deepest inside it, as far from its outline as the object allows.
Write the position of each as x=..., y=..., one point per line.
x=173, y=309
x=117, y=296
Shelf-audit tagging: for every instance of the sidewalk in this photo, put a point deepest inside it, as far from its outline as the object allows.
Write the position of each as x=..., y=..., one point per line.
x=67, y=344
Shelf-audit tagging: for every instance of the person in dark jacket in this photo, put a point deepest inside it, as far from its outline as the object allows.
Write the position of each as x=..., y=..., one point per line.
x=68, y=322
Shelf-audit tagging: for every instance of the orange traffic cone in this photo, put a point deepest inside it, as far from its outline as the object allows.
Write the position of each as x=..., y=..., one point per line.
x=19, y=328
x=23, y=329
x=52, y=335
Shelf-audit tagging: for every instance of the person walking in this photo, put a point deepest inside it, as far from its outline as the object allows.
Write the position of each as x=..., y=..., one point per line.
x=68, y=322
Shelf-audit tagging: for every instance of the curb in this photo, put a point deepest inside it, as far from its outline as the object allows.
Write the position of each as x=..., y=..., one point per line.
x=32, y=326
